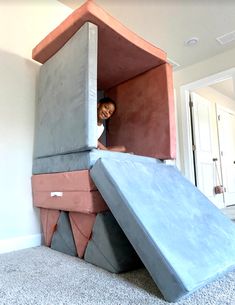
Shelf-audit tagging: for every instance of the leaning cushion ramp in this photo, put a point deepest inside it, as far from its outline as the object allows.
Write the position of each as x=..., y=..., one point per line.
x=181, y=237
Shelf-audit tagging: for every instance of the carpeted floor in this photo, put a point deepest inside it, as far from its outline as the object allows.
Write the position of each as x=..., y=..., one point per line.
x=41, y=276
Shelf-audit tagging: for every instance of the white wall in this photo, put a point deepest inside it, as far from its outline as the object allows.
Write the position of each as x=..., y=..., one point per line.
x=22, y=25
x=216, y=97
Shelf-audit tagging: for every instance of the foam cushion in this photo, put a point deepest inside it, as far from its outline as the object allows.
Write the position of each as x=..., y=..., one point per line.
x=182, y=238
x=66, y=107
x=109, y=248
x=67, y=181
x=85, y=202
x=82, y=225
x=68, y=191
x=49, y=220
x=62, y=239
x=79, y=161
x=118, y=46
x=149, y=114
x=66, y=114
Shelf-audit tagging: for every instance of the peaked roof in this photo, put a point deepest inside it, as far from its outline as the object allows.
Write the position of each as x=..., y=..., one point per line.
x=121, y=53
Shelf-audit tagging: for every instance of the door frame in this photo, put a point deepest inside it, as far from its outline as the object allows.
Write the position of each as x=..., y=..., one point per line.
x=185, y=128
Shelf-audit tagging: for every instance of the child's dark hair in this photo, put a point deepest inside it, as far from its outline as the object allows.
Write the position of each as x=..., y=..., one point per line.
x=107, y=100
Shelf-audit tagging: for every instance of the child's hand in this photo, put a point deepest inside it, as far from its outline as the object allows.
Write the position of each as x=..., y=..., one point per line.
x=101, y=146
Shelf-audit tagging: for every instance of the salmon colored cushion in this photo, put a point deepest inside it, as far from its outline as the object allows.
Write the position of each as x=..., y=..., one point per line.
x=82, y=225
x=49, y=220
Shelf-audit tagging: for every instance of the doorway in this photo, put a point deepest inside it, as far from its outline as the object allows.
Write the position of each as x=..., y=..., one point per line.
x=209, y=138
x=206, y=152
x=226, y=133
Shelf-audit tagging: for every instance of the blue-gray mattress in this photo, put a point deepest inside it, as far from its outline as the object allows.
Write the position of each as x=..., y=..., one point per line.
x=181, y=237
x=80, y=161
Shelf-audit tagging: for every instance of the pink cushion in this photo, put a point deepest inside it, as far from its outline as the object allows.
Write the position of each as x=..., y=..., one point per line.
x=68, y=191
x=67, y=181
x=82, y=225
x=85, y=202
x=149, y=117
x=49, y=220
x=121, y=53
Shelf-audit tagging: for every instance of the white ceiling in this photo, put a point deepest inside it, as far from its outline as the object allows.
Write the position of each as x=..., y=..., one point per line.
x=169, y=23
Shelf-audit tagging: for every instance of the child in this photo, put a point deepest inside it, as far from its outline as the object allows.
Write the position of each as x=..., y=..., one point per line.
x=105, y=109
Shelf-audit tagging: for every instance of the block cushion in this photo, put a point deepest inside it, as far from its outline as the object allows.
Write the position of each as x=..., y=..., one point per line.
x=67, y=191
x=66, y=106
x=80, y=161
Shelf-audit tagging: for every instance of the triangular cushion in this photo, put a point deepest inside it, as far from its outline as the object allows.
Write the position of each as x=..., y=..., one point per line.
x=49, y=220
x=82, y=225
x=62, y=239
x=109, y=248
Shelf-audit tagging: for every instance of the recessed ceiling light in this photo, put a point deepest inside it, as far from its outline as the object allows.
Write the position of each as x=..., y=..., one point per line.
x=191, y=41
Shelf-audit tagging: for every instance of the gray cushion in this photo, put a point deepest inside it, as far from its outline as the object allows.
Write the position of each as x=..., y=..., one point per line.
x=109, y=248
x=66, y=108
x=80, y=161
x=182, y=238
x=62, y=239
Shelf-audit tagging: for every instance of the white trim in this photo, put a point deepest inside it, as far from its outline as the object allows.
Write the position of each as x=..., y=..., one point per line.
x=21, y=242
x=211, y=80
x=187, y=157
x=233, y=84
x=186, y=136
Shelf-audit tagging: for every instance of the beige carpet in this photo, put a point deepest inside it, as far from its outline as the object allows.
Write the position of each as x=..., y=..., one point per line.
x=41, y=276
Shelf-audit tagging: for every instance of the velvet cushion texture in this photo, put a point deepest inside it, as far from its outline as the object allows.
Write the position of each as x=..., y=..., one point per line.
x=91, y=50
x=66, y=112
x=62, y=239
x=80, y=161
x=181, y=237
x=118, y=47
x=68, y=191
x=109, y=248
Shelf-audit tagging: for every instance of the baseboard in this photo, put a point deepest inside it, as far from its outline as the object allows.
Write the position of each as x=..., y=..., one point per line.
x=19, y=243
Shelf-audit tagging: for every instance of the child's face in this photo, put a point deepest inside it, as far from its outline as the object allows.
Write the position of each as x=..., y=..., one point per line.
x=105, y=110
